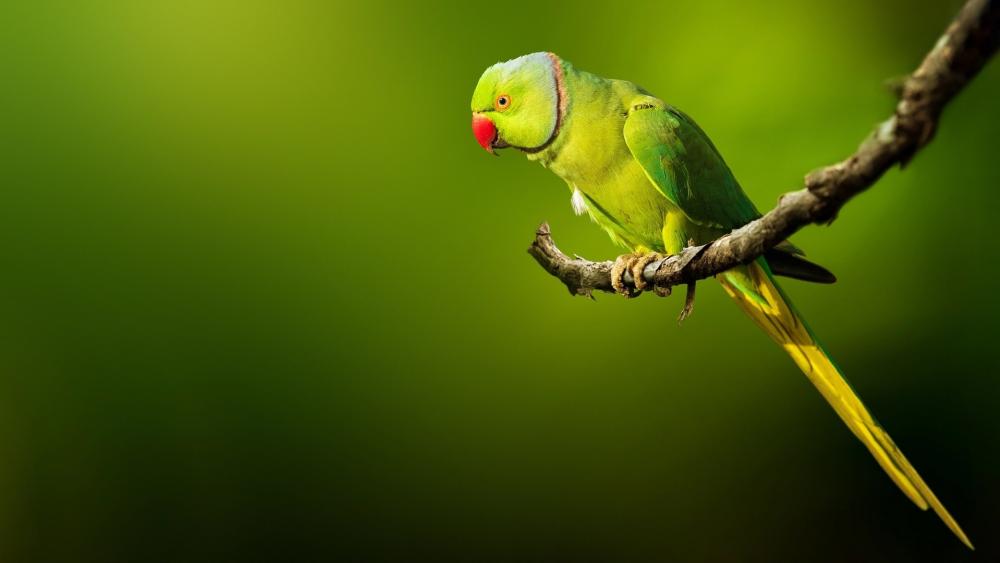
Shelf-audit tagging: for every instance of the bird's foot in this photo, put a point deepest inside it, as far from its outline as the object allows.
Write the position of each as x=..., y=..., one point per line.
x=634, y=263
x=688, y=303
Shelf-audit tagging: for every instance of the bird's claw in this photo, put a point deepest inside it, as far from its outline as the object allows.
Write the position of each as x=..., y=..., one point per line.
x=688, y=304
x=622, y=264
x=635, y=264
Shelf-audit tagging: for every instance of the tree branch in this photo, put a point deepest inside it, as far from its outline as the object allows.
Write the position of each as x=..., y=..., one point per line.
x=967, y=44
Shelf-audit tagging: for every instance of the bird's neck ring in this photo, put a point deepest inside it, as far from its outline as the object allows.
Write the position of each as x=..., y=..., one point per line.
x=561, y=101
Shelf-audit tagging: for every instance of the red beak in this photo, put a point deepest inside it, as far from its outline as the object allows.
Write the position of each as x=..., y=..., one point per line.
x=485, y=131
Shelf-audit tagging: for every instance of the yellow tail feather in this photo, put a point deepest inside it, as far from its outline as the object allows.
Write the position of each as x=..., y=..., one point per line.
x=757, y=294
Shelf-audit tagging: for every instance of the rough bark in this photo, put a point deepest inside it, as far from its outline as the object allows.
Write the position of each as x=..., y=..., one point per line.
x=968, y=43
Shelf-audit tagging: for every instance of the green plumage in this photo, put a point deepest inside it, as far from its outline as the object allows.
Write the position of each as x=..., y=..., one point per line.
x=654, y=166
x=648, y=175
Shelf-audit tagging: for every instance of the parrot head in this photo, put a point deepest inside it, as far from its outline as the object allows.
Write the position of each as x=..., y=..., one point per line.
x=519, y=103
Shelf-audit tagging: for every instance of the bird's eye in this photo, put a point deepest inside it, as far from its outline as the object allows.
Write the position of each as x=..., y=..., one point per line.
x=502, y=103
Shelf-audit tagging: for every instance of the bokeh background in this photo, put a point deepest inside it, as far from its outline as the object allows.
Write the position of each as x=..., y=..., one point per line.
x=263, y=297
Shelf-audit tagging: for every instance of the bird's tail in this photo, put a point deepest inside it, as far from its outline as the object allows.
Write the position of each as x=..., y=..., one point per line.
x=754, y=288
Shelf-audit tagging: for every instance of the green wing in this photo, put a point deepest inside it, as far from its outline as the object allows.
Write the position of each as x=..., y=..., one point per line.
x=682, y=163
x=685, y=166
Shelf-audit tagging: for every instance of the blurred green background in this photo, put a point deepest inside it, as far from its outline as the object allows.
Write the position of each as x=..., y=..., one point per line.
x=263, y=297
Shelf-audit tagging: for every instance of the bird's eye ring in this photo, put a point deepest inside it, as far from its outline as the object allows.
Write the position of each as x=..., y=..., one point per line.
x=502, y=102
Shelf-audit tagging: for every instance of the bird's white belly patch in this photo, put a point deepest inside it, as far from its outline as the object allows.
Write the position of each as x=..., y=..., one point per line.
x=578, y=202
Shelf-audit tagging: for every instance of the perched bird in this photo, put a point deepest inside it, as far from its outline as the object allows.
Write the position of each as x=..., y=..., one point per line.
x=650, y=177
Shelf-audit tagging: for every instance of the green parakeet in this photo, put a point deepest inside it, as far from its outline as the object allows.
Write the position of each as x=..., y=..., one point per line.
x=650, y=177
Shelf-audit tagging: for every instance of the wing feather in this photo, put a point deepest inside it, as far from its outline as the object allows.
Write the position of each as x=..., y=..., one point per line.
x=681, y=161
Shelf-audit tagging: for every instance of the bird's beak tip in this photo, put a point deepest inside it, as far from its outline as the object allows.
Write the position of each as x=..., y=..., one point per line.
x=485, y=131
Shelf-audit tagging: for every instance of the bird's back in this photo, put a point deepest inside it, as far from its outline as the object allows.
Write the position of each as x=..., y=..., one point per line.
x=594, y=158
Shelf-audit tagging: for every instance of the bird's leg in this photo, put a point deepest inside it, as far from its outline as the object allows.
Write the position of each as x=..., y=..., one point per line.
x=623, y=264
x=689, y=297
x=688, y=303
x=634, y=263
x=639, y=266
